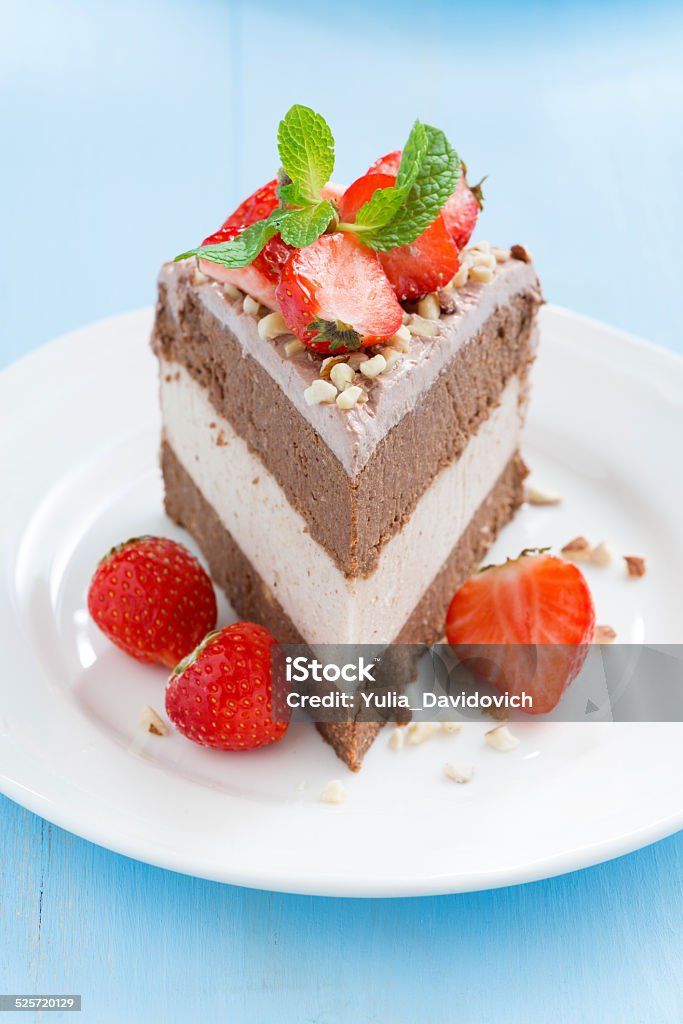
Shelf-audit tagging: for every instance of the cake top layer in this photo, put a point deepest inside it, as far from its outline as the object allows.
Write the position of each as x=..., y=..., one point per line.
x=354, y=435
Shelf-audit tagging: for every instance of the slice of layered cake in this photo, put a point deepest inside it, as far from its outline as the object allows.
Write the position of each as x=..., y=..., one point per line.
x=342, y=415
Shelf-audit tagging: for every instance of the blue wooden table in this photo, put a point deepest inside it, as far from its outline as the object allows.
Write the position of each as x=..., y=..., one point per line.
x=129, y=130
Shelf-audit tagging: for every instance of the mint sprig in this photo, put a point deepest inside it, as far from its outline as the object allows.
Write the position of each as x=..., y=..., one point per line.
x=306, y=149
x=429, y=171
x=301, y=227
x=244, y=248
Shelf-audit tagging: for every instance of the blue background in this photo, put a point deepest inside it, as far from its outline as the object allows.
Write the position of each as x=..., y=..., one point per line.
x=129, y=130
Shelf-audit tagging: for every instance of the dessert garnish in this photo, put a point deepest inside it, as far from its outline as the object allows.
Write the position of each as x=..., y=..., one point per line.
x=524, y=626
x=635, y=565
x=221, y=694
x=151, y=597
x=336, y=263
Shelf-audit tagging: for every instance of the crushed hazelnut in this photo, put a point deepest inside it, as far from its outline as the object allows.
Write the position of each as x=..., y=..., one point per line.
x=459, y=772
x=400, y=340
x=520, y=252
x=501, y=255
x=356, y=358
x=578, y=549
x=419, y=732
x=250, y=305
x=198, y=278
x=604, y=635
x=232, y=292
x=602, y=554
x=635, y=565
x=150, y=721
x=392, y=356
x=349, y=398
x=481, y=274
x=447, y=303
x=321, y=392
x=373, y=367
x=293, y=346
x=342, y=375
x=423, y=328
x=429, y=307
x=460, y=279
x=396, y=739
x=541, y=496
x=272, y=326
x=480, y=247
x=501, y=739
x=333, y=793
x=451, y=728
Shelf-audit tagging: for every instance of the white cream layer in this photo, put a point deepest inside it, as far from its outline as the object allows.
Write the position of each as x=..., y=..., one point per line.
x=324, y=605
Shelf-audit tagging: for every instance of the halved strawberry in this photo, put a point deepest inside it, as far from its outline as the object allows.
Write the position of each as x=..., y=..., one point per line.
x=460, y=211
x=335, y=296
x=524, y=626
x=423, y=266
x=261, y=276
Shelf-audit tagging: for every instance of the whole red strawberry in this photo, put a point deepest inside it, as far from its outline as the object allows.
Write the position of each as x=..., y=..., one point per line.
x=221, y=695
x=524, y=626
x=151, y=597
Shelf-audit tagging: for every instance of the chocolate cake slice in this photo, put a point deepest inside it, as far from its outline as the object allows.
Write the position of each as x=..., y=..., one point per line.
x=333, y=525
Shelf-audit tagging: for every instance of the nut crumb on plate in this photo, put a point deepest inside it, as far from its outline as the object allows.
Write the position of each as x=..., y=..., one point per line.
x=635, y=565
x=419, y=732
x=501, y=739
x=333, y=793
x=602, y=553
x=534, y=495
x=578, y=549
x=604, y=635
x=396, y=739
x=451, y=728
x=459, y=772
x=150, y=721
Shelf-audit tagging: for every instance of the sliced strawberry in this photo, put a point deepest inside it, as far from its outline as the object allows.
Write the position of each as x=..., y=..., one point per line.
x=261, y=276
x=341, y=282
x=525, y=626
x=459, y=213
x=423, y=266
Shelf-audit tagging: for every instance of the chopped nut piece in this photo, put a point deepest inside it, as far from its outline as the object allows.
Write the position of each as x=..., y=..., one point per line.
x=341, y=375
x=419, y=732
x=604, y=635
x=447, y=303
x=458, y=771
x=272, y=326
x=151, y=722
x=293, y=346
x=501, y=255
x=578, y=549
x=452, y=728
x=250, y=305
x=520, y=252
x=501, y=739
x=429, y=307
x=320, y=392
x=482, y=259
x=231, y=291
x=396, y=739
x=333, y=793
x=373, y=367
x=541, y=496
x=635, y=565
x=356, y=358
x=602, y=554
x=481, y=274
x=349, y=397
x=480, y=247
x=392, y=356
x=198, y=278
x=423, y=328
x=460, y=279
x=400, y=340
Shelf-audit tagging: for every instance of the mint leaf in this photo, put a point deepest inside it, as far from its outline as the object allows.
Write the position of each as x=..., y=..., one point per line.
x=306, y=148
x=293, y=194
x=245, y=247
x=302, y=227
x=338, y=334
x=429, y=171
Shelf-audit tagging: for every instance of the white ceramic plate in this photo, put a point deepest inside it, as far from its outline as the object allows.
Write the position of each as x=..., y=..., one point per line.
x=79, y=469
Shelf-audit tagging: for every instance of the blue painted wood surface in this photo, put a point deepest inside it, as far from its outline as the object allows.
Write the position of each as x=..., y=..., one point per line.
x=129, y=130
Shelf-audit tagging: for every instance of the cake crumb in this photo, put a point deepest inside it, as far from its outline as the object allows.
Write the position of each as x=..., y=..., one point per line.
x=501, y=739
x=535, y=495
x=520, y=252
x=602, y=554
x=578, y=549
x=451, y=728
x=459, y=772
x=349, y=398
x=420, y=732
x=635, y=565
x=150, y=721
x=220, y=439
x=293, y=346
x=604, y=635
x=333, y=793
x=396, y=739
x=250, y=305
x=255, y=481
x=321, y=392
